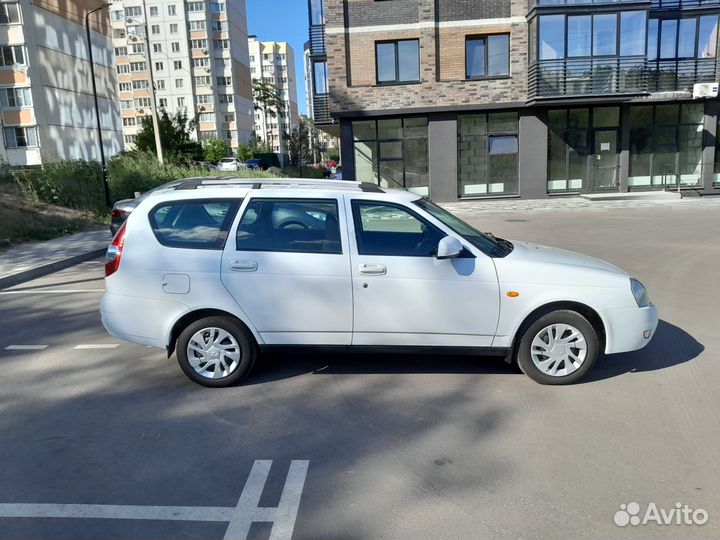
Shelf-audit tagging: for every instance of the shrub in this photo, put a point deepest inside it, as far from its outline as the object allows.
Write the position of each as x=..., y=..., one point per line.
x=215, y=150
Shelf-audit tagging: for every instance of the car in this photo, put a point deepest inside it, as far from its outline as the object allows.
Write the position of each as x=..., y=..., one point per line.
x=230, y=164
x=219, y=273
x=253, y=164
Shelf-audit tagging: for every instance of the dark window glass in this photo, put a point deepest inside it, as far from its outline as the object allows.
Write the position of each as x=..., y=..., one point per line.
x=632, y=33
x=503, y=145
x=193, y=224
x=579, y=35
x=552, y=37
x=295, y=226
x=707, y=37
x=652, y=39
x=605, y=35
x=686, y=38
x=498, y=55
x=388, y=229
x=398, y=61
x=475, y=58
x=320, y=76
x=668, y=38
x=317, y=15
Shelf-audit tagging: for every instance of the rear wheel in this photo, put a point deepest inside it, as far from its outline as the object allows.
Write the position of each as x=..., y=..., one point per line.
x=558, y=348
x=216, y=351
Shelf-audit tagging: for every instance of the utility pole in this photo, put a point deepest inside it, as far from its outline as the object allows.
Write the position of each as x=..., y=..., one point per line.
x=153, y=104
x=106, y=183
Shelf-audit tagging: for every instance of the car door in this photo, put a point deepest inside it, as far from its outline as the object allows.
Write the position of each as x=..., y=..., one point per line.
x=403, y=294
x=288, y=268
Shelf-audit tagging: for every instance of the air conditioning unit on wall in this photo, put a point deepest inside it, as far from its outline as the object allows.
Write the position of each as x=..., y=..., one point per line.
x=705, y=90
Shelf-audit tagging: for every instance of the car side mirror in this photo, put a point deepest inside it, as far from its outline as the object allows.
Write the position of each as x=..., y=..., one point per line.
x=449, y=247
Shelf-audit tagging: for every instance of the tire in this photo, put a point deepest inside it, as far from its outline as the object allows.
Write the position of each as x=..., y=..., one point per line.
x=560, y=347
x=228, y=346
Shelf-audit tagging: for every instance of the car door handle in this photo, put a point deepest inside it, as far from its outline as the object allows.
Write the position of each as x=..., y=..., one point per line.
x=243, y=265
x=372, y=269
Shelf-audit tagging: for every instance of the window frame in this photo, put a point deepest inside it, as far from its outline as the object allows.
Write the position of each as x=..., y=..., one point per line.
x=397, y=80
x=322, y=200
x=485, y=39
x=18, y=10
x=225, y=226
x=357, y=225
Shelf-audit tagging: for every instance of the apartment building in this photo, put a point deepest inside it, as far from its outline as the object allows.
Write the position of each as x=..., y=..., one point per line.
x=520, y=98
x=274, y=61
x=321, y=139
x=195, y=55
x=48, y=111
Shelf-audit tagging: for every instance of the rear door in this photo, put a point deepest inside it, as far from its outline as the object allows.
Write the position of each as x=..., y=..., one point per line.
x=287, y=266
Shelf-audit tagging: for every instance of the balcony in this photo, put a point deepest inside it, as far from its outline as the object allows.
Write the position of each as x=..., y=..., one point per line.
x=683, y=4
x=317, y=40
x=321, y=109
x=596, y=77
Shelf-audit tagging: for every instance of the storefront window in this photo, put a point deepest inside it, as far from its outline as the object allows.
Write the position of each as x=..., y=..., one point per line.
x=488, y=154
x=666, y=143
x=568, y=146
x=392, y=153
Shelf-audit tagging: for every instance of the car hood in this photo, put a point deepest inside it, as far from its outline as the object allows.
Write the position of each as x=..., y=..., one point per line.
x=535, y=263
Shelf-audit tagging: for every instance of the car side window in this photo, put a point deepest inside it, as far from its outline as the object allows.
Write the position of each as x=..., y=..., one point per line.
x=389, y=229
x=290, y=225
x=195, y=224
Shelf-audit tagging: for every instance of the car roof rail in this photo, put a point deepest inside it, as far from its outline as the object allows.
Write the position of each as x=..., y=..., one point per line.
x=254, y=183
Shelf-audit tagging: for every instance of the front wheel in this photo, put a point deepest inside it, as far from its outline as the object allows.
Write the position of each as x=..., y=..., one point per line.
x=558, y=348
x=216, y=351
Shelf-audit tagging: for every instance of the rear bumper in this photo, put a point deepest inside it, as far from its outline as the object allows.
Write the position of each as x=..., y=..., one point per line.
x=629, y=329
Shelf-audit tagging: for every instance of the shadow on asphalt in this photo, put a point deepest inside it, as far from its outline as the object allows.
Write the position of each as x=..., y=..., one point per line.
x=669, y=347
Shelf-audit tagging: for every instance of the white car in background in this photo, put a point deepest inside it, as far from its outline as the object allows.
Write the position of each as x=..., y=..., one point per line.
x=218, y=272
x=230, y=164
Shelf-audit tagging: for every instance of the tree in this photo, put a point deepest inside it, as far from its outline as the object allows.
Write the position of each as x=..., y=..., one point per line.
x=298, y=139
x=244, y=152
x=333, y=154
x=215, y=150
x=267, y=99
x=175, y=131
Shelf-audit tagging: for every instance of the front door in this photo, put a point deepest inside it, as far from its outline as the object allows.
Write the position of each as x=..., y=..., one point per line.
x=605, y=160
x=287, y=266
x=403, y=295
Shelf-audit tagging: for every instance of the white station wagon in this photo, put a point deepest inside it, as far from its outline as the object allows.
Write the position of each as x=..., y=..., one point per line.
x=219, y=273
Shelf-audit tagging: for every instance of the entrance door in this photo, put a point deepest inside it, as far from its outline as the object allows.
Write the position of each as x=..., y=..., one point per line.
x=605, y=159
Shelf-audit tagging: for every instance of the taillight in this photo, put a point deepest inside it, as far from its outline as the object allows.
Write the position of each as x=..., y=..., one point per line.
x=114, y=252
x=117, y=213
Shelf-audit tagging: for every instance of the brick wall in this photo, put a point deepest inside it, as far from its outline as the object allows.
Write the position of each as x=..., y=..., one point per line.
x=460, y=10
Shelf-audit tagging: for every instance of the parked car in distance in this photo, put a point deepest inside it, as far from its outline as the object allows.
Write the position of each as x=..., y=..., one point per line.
x=218, y=272
x=253, y=164
x=204, y=165
x=230, y=164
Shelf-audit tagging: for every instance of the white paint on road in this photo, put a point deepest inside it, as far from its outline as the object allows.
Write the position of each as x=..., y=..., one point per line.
x=97, y=346
x=239, y=518
x=25, y=347
x=55, y=291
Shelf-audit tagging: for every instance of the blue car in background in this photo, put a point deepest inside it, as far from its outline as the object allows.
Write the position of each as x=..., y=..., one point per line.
x=253, y=164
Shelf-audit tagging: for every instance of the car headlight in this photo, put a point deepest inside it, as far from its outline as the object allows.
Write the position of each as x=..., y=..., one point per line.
x=640, y=293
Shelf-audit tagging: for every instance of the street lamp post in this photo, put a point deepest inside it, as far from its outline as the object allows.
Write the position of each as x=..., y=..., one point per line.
x=106, y=184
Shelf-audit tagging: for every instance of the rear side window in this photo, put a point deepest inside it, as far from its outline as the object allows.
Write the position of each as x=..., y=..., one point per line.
x=290, y=225
x=198, y=224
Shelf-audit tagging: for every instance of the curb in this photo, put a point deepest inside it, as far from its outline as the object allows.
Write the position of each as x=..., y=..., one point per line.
x=49, y=268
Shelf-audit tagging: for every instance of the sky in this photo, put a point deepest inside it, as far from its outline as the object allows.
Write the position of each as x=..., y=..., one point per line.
x=282, y=20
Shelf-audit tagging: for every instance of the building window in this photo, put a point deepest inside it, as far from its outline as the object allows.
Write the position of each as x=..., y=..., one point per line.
x=160, y=84
x=694, y=37
x=172, y=9
x=488, y=154
x=137, y=48
x=154, y=11
x=201, y=62
x=174, y=28
x=202, y=81
x=195, y=6
x=320, y=81
x=130, y=121
x=20, y=137
x=568, y=149
x=15, y=98
x=120, y=51
x=157, y=47
x=224, y=81
x=666, y=144
x=204, y=99
x=126, y=104
x=221, y=44
x=198, y=43
x=487, y=56
x=181, y=101
x=125, y=87
x=217, y=7
x=122, y=69
x=9, y=13
x=138, y=66
x=197, y=25
x=11, y=55
x=317, y=12
x=177, y=64
x=159, y=66
x=178, y=83
x=206, y=117
x=162, y=103
x=141, y=102
x=135, y=11
x=220, y=26
x=226, y=98
x=397, y=61
x=129, y=139
x=392, y=153
x=175, y=46
x=140, y=85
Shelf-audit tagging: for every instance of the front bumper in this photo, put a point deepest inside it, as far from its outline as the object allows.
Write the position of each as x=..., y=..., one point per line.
x=629, y=329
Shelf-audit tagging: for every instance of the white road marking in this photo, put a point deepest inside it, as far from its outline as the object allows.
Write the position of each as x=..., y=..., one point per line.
x=97, y=346
x=239, y=518
x=55, y=291
x=25, y=347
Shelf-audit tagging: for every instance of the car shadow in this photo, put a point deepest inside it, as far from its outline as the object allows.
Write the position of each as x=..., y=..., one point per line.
x=669, y=347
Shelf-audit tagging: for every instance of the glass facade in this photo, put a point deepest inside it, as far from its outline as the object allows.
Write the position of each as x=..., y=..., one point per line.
x=666, y=143
x=392, y=153
x=488, y=154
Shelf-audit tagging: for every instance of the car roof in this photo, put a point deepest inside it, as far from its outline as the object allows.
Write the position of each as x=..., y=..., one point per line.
x=213, y=187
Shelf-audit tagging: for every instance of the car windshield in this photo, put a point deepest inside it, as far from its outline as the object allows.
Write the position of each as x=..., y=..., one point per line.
x=486, y=242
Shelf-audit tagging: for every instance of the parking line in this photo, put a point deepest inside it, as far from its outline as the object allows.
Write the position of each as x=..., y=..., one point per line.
x=110, y=511
x=54, y=291
x=97, y=346
x=25, y=347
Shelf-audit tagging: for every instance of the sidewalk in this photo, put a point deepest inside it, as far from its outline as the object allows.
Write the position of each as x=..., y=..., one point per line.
x=32, y=260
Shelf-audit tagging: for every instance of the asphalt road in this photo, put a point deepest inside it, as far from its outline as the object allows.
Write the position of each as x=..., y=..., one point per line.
x=396, y=446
